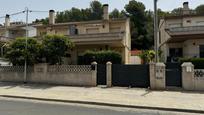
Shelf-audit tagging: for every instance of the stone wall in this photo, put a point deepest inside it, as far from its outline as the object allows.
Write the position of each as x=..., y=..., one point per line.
x=74, y=75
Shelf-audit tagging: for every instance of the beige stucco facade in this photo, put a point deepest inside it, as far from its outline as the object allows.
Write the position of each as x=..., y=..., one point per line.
x=181, y=36
x=105, y=34
x=93, y=35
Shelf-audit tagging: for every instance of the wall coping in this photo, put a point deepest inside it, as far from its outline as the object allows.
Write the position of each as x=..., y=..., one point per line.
x=187, y=64
x=160, y=64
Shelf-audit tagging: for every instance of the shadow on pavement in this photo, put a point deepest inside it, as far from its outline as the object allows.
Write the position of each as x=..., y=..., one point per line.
x=8, y=85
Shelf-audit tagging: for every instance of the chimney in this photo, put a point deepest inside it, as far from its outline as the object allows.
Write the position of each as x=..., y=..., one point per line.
x=186, y=9
x=105, y=12
x=51, y=17
x=7, y=20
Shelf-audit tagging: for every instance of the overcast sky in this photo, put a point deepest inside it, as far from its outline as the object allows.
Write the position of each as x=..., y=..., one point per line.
x=13, y=6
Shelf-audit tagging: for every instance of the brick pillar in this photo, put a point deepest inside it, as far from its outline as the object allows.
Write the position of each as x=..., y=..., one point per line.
x=109, y=74
x=188, y=81
x=94, y=73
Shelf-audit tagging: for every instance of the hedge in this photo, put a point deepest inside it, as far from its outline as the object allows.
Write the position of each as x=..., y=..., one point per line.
x=197, y=62
x=101, y=57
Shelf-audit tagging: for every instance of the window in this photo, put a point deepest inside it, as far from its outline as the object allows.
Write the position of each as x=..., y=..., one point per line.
x=176, y=52
x=188, y=21
x=201, y=51
x=73, y=30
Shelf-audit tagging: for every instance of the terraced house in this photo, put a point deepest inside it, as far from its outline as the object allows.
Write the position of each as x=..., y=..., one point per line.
x=182, y=35
x=105, y=34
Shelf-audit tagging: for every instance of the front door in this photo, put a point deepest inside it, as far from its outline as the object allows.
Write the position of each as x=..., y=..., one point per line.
x=175, y=53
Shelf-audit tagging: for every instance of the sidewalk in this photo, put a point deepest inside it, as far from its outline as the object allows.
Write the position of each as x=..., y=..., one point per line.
x=123, y=97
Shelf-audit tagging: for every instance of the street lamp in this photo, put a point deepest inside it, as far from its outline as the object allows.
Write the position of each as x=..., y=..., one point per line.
x=156, y=31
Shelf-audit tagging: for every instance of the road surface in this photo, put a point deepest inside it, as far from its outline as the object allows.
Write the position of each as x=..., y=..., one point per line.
x=10, y=106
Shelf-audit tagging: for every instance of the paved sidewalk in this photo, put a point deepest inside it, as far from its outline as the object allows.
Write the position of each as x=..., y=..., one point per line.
x=133, y=97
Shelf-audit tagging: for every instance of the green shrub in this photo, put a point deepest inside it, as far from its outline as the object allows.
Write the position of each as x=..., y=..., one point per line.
x=197, y=62
x=147, y=56
x=101, y=57
x=16, y=52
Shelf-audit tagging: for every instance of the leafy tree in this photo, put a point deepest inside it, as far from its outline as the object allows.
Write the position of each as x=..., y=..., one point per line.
x=139, y=34
x=162, y=14
x=200, y=9
x=16, y=52
x=55, y=47
x=43, y=21
x=97, y=10
x=176, y=11
x=117, y=14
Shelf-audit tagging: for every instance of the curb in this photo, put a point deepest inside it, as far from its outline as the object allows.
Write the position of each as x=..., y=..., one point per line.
x=108, y=104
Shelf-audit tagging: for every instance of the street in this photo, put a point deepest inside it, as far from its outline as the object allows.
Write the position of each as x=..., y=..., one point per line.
x=10, y=106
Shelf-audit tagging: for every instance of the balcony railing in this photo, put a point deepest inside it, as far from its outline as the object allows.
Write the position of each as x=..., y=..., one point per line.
x=96, y=37
x=186, y=30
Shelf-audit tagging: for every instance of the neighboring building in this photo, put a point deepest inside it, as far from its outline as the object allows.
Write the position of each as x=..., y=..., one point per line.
x=182, y=36
x=113, y=34
x=15, y=29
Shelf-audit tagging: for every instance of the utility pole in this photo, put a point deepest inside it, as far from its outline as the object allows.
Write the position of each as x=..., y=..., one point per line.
x=26, y=46
x=156, y=31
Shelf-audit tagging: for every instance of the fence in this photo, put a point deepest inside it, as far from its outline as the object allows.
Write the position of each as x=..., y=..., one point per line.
x=76, y=75
x=154, y=75
x=199, y=79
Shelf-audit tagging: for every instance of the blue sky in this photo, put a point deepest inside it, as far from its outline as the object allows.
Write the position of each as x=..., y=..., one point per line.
x=9, y=6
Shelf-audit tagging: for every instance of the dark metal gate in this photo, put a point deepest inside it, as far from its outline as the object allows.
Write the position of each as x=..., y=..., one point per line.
x=173, y=74
x=130, y=75
x=101, y=74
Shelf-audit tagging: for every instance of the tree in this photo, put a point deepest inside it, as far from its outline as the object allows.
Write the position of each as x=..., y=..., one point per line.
x=117, y=14
x=55, y=47
x=177, y=11
x=16, y=52
x=200, y=9
x=162, y=14
x=97, y=10
x=43, y=21
x=139, y=23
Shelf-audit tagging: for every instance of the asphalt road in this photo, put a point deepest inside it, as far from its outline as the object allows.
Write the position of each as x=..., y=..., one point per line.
x=9, y=106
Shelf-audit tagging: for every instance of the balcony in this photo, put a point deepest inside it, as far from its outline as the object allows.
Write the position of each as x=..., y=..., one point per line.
x=191, y=30
x=180, y=34
x=97, y=38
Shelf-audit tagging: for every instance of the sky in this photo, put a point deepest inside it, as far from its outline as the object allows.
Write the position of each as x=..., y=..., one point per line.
x=13, y=6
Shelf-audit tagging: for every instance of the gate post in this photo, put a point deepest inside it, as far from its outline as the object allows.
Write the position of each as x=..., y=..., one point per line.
x=188, y=82
x=94, y=73
x=109, y=74
x=160, y=76
x=152, y=75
